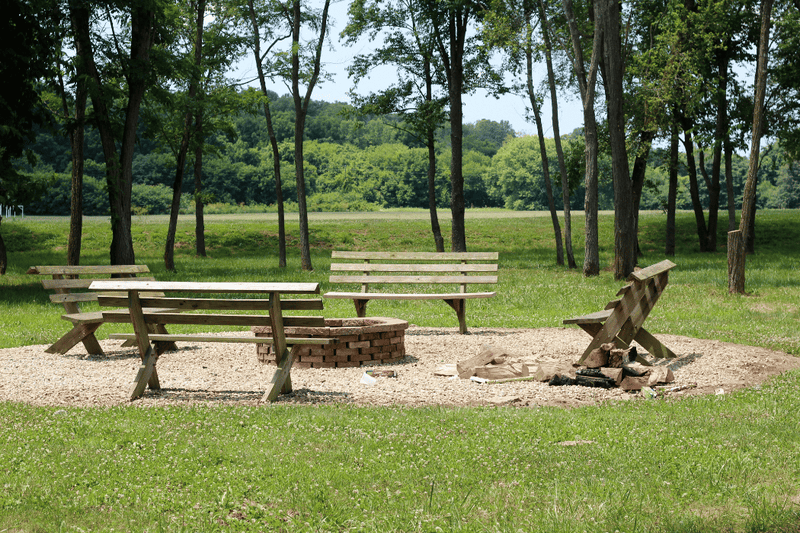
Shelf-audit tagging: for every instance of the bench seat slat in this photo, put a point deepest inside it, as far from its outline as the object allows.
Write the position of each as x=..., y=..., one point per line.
x=416, y=256
x=402, y=296
x=592, y=318
x=415, y=279
x=168, y=316
x=414, y=267
x=73, y=270
x=191, y=304
x=169, y=337
x=82, y=283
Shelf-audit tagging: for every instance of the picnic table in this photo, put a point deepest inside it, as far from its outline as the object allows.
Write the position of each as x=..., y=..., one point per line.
x=270, y=300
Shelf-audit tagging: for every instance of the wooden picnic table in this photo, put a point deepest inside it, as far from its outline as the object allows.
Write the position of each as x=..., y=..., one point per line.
x=270, y=293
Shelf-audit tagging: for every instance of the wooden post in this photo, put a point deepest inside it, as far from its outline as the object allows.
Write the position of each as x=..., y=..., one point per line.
x=736, y=262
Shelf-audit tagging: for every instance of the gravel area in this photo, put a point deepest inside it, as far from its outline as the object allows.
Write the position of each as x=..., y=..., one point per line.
x=231, y=374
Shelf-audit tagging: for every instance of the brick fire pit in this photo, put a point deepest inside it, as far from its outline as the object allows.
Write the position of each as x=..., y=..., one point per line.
x=361, y=341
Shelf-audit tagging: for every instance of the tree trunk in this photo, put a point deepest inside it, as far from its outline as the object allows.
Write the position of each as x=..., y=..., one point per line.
x=562, y=167
x=694, y=190
x=736, y=245
x=430, y=142
x=637, y=180
x=183, y=150
x=273, y=140
x=76, y=137
x=669, y=246
x=624, y=228
x=3, y=253
x=528, y=45
x=457, y=28
x=200, y=225
x=586, y=83
x=729, y=184
x=437, y=231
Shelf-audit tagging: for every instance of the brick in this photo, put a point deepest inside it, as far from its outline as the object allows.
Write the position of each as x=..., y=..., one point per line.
x=302, y=365
x=311, y=358
x=324, y=365
x=380, y=342
x=336, y=358
x=361, y=357
x=348, y=338
x=396, y=340
x=348, y=364
x=347, y=351
x=358, y=344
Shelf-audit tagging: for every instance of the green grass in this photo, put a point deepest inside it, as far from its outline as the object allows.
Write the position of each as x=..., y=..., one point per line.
x=703, y=464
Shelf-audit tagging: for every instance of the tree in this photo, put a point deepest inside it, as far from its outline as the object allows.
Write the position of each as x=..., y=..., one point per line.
x=737, y=239
x=266, y=18
x=26, y=61
x=586, y=78
x=410, y=45
x=135, y=70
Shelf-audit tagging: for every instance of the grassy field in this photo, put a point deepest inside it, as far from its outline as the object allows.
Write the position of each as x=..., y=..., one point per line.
x=720, y=463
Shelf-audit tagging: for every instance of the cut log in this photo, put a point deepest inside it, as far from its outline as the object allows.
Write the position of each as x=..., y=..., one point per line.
x=597, y=358
x=660, y=374
x=502, y=371
x=561, y=379
x=488, y=353
x=633, y=383
x=619, y=356
x=613, y=373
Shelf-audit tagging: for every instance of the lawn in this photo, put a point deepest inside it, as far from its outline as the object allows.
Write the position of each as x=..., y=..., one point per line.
x=718, y=463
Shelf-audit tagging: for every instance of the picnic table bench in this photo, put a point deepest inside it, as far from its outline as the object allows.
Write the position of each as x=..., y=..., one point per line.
x=191, y=309
x=70, y=284
x=415, y=268
x=622, y=319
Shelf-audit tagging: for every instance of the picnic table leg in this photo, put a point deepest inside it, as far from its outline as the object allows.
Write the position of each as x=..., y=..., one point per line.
x=281, y=379
x=79, y=333
x=146, y=374
x=460, y=307
x=653, y=345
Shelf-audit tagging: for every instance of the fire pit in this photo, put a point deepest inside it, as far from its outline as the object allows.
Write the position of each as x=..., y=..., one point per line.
x=360, y=341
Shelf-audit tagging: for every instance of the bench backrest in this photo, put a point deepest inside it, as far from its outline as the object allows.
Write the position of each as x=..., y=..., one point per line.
x=459, y=268
x=645, y=286
x=70, y=282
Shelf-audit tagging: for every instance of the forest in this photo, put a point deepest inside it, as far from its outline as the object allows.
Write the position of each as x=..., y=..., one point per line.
x=139, y=102
x=365, y=164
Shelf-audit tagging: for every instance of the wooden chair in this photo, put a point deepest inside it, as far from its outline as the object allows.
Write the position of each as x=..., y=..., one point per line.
x=622, y=319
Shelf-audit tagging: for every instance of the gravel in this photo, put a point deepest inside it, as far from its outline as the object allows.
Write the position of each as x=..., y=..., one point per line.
x=217, y=373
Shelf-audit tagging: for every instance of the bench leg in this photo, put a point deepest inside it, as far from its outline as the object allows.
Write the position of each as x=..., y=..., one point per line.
x=281, y=381
x=79, y=333
x=653, y=345
x=460, y=307
x=361, y=308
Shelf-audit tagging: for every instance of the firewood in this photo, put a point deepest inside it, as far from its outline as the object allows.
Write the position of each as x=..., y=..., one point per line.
x=545, y=372
x=633, y=383
x=502, y=371
x=488, y=353
x=660, y=374
x=613, y=373
x=597, y=358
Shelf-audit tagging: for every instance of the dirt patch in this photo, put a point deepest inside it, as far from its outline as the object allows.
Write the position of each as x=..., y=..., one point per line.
x=231, y=373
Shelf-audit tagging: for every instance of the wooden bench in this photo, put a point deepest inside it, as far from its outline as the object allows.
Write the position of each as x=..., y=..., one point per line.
x=191, y=309
x=418, y=269
x=622, y=319
x=70, y=284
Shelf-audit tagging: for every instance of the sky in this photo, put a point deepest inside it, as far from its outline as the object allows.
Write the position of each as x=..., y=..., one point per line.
x=477, y=106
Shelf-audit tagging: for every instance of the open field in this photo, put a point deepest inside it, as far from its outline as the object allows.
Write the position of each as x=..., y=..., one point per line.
x=705, y=463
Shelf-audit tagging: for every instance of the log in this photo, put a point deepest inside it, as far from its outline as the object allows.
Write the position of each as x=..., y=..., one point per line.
x=493, y=372
x=633, y=383
x=660, y=374
x=488, y=353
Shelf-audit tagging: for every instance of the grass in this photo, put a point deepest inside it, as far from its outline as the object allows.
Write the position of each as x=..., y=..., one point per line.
x=704, y=464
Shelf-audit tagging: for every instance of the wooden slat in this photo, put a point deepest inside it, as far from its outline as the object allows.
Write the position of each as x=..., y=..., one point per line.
x=169, y=337
x=207, y=287
x=191, y=304
x=652, y=270
x=402, y=296
x=417, y=256
x=592, y=318
x=70, y=270
x=414, y=267
x=214, y=319
x=414, y=279
x=84, y=283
